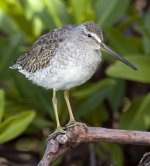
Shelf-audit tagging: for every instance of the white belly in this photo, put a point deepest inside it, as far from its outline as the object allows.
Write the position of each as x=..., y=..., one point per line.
x=73, y=74
x=71, y=77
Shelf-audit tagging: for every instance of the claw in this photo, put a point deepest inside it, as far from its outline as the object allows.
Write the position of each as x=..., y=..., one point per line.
x=74, y=123
x=58, y=131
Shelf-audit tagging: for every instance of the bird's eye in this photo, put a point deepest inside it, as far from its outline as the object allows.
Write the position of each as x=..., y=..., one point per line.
x=89, y=35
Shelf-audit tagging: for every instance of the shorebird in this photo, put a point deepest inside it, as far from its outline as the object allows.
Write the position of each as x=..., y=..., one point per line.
x=65, y=58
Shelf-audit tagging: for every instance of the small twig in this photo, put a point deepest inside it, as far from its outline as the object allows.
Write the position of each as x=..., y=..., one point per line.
x=92, y=155
x=145, y=161
x=77, y=134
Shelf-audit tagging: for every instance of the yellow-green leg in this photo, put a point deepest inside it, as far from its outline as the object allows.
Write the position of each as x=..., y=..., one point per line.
x=72, y=119
x=58, y=128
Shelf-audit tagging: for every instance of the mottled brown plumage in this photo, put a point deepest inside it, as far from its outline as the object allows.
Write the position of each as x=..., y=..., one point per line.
x=38, y=57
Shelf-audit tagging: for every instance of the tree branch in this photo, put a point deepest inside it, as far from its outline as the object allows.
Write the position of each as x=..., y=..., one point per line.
x=79, y=133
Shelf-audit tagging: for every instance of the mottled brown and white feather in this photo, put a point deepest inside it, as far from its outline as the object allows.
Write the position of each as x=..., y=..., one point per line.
x=38, y=57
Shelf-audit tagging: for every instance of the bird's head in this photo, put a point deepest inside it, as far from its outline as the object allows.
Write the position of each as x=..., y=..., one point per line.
x=93, y=35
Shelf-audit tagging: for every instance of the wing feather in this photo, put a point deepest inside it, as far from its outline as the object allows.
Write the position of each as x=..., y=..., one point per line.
x=38, y=57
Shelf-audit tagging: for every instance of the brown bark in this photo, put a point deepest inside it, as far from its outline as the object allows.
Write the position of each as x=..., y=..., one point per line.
x=77, y=134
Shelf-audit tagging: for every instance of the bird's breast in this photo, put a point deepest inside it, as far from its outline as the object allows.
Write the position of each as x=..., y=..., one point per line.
x=78, y=68
x=68, y=68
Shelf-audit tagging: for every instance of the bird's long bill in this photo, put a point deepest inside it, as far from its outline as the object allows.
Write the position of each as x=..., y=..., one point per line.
x=111, y=52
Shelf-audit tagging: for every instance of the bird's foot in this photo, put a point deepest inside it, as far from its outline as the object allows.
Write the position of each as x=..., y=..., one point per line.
x=59, y=130
x=73, y=123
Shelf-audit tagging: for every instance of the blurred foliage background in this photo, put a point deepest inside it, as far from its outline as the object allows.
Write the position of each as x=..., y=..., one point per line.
x=115, y=97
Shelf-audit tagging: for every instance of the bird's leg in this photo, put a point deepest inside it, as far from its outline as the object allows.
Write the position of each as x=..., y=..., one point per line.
x=54, y=101
x=72, y=119
x=59, y=129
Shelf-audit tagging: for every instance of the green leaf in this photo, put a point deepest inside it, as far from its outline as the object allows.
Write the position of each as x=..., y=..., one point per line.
x=15, y=125
x=16, y=12
x=7, y=24
x=57, y=10
x=117, y=94
x=97, y=116
x=120, y=70
x=137, y=117
x=8, y=54
x=2, y=102
x=94, y=95
x=32, y=9
x=110, y=11
x=144, y=30
x=37, y=93
x=91, y=88
x=42, y=123
x=93, y=101
x=114, y=153
x=82, y=10
x=147, y=21
x=121, y=43
x=34, y=6
x=146, y=45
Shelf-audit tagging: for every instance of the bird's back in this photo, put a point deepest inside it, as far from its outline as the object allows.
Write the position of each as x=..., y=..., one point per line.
x=42, y=51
